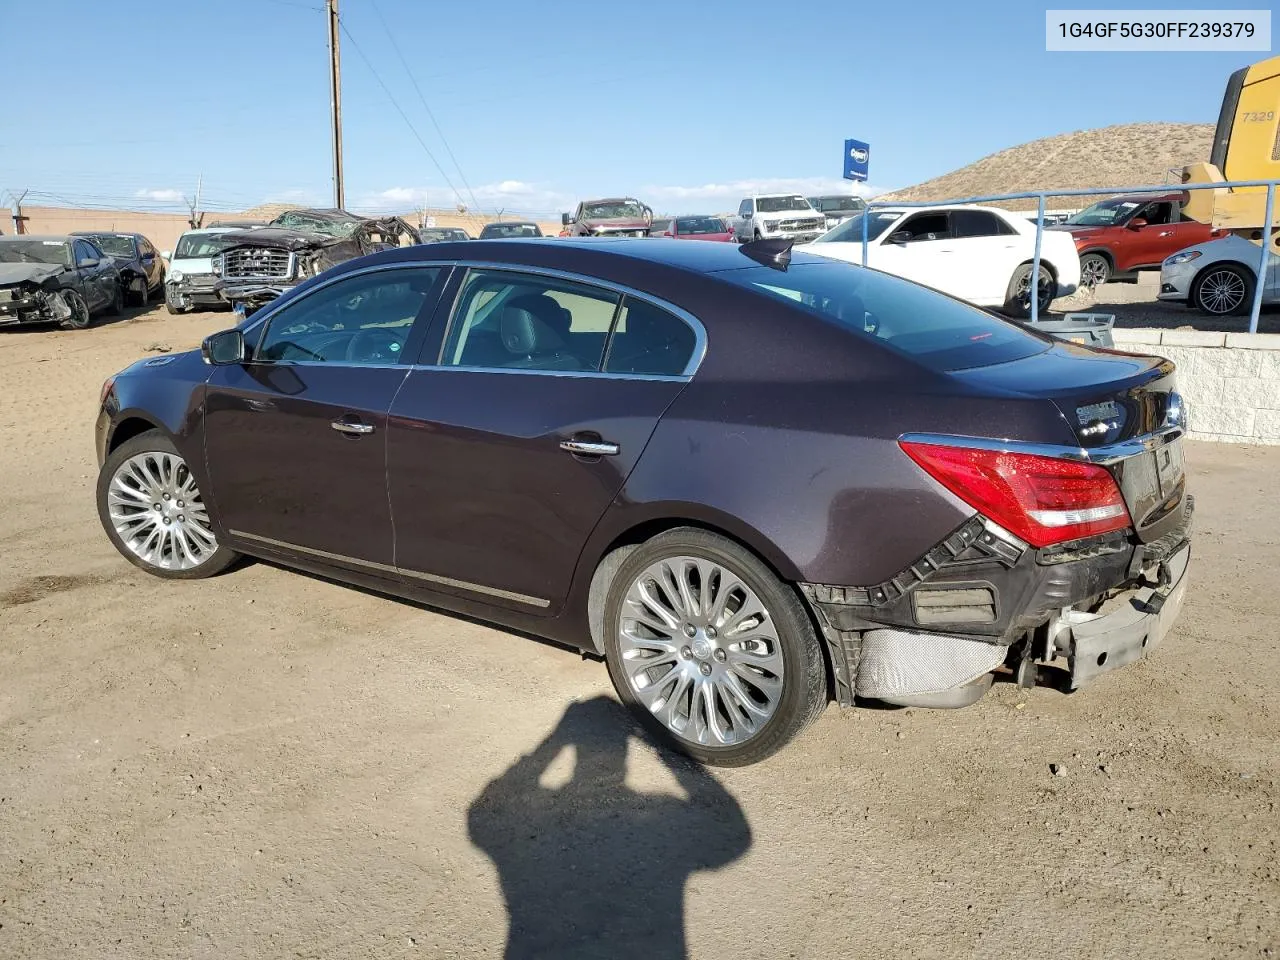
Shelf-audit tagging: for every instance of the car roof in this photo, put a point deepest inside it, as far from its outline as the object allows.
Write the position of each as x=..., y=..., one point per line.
x=499, y=223
x=42, y=237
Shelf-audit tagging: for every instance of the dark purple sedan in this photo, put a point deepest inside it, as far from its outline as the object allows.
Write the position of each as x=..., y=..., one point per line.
x=752, y=483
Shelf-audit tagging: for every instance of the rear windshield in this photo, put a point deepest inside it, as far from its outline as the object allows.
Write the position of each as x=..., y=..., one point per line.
x=701, y=225
x=934, y=330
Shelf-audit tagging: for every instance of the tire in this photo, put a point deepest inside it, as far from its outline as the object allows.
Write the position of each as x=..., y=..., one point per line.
x=1095, y=270
x=142, y=297
x=1017, y=299
x=755, y=235
x=784, y=677
x=117, y=302
x=79, y=318
x=1223, y=290
x=170, y=305
x=149, y=468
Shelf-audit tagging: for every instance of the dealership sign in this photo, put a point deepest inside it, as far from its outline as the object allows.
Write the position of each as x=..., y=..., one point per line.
x=857, y=157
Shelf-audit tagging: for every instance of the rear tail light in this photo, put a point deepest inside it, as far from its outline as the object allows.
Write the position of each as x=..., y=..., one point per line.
x=1043, y=500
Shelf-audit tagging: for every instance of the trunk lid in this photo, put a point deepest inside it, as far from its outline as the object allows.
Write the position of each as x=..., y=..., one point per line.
x=1113, y=403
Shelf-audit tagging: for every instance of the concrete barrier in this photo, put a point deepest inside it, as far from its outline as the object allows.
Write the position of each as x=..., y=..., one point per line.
x=1231, y=381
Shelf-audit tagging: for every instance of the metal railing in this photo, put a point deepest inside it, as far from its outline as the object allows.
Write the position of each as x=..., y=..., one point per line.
x=1040, y=195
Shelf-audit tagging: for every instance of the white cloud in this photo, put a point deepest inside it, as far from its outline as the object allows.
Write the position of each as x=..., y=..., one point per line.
x=511, y=196
x=168, y=196
x=725, y=196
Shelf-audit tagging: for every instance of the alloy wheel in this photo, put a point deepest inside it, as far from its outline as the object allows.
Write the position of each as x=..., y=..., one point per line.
x=1093, y=271
x=1222, y=291
x=1042, y=290
x=700, y=650
x=158, y=514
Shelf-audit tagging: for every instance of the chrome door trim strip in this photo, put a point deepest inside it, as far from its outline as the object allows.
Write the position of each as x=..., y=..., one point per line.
x=388, y=568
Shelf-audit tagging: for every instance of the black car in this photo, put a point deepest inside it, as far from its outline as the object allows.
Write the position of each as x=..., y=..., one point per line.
x=510, y=230
x=443, y=234
x=141, y=267
x=59, y=279
x=751, y=482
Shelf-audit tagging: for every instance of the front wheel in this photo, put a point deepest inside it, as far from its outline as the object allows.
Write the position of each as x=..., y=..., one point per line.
x=142, y=297
x=79, y=318
x=1223, y=290
x=153, y=512
x=1017, y=301
x=1095, y=270
x=711, y=649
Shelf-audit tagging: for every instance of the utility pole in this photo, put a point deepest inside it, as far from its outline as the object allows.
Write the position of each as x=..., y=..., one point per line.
x=335, y=100
x=19, y=221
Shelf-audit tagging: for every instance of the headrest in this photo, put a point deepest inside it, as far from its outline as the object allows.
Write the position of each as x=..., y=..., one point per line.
x=523, y=334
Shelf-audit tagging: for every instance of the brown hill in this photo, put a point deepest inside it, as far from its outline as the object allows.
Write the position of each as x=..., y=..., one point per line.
x=1127, y=155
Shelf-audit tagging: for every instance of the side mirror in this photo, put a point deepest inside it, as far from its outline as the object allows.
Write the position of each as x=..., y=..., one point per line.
x=564, y=220
x=88, y=264
x=224, y=348
x=746, y=216
x=1137, y=223
x=900, y=236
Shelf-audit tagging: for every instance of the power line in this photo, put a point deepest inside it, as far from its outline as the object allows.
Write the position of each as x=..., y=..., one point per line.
x=403, y=116
x=448, y=149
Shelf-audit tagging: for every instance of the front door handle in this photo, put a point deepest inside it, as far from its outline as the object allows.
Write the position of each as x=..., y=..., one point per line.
x=352, y=429
x=590, y=448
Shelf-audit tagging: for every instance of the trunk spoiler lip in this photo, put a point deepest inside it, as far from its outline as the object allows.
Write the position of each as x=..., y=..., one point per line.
x=1105, y=456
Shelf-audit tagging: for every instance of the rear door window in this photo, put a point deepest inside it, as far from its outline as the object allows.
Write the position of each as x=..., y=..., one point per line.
x=649, y=341
x=510, y=320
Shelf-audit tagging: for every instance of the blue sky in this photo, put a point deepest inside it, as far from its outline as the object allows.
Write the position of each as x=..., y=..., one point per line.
x=686, y=104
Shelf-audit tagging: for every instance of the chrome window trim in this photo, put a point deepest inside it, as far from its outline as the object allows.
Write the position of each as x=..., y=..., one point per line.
x=389, y=568
x=577, y=374
x=699, y=331
x=1107, y=455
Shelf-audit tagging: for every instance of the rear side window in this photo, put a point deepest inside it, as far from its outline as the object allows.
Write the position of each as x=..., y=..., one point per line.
x=510, y=320
x=978, y=223
x=649, y=341
x=933, y=329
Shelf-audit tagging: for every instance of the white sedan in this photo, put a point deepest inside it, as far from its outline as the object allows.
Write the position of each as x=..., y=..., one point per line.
x=1219, y=277
x=980, y=254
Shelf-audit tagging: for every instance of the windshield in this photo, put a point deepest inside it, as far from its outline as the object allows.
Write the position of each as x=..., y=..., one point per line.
x=850, y=230
x=34, y=251
x=502, y=230
x=930, y=328
x=781, y=204
x=616, y=209
x=700, y=225
x=839, y=204
x=1104, y=213
x=114, y=246
x=336, y=224
x=195, y=245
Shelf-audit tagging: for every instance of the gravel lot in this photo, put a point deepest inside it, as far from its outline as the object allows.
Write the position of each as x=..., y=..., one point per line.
x=1135, y=305
x=267, y=764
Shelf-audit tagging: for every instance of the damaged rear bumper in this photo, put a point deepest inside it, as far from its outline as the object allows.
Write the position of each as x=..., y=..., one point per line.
x=933, y=635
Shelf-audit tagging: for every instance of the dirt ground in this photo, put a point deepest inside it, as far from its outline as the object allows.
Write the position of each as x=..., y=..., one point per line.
x=266, y=764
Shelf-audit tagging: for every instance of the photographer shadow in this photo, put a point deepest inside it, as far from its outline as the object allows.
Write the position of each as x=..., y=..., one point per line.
x=595, y=868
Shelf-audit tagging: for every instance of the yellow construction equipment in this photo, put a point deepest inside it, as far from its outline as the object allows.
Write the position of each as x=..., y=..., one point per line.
x=1246, y=146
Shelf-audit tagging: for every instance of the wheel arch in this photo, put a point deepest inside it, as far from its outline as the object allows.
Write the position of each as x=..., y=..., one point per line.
x=1103, y=252
x=133, y=424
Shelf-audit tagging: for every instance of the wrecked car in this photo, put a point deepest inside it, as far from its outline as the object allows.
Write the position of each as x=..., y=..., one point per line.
x=191, y=283
x=258, y=265
x=141, y=266
x=611, y=217
x=62, y=280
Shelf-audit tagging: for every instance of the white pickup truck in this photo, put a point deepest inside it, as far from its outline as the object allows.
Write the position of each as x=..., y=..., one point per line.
x=778, y=215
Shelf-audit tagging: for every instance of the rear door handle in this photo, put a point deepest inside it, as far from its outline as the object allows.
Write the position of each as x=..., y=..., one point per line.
x=352, y=429
x=590, y=448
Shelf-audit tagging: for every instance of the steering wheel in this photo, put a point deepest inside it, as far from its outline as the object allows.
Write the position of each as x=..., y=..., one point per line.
x=373, y=346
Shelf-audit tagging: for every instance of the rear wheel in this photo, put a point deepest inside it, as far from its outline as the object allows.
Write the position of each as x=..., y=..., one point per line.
x=1017, y=301
x=153, y=512
x=1095, y=270
x=711, y=649
x=1223, y=290
x=79, y=318
x=142, y=297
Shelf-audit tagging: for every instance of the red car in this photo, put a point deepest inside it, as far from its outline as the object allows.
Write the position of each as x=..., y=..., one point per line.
x=693, y=228
x=1121, y=235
